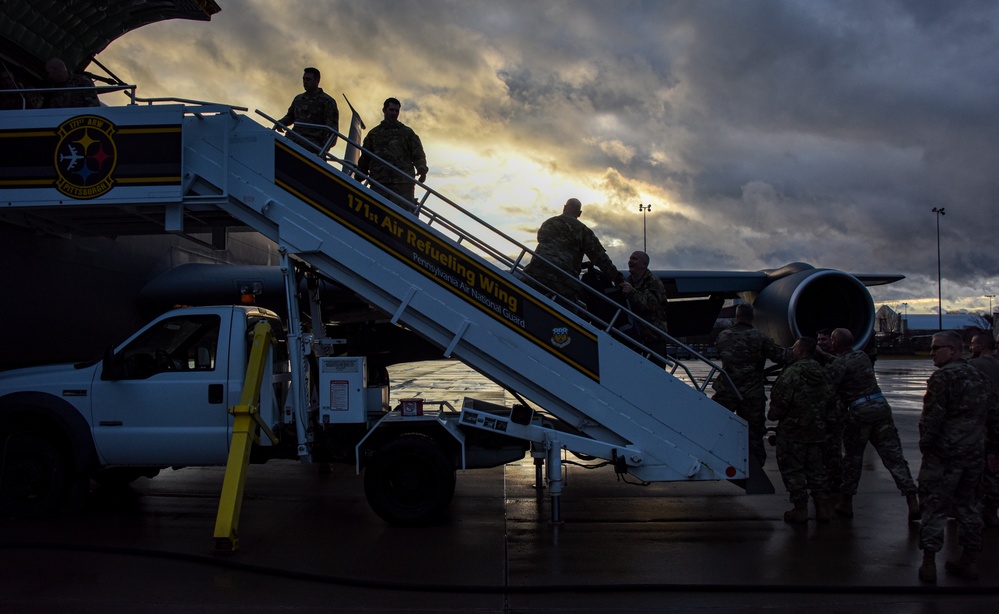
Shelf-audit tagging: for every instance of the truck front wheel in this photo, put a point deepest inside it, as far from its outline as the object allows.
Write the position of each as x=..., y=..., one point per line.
x=33, y=476
x=410, y=481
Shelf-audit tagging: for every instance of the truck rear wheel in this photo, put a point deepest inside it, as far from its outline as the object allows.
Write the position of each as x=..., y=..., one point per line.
x=410, y=481
x=33, y=476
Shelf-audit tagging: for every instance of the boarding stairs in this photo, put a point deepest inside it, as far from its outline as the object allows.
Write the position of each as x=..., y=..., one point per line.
x=436, y=268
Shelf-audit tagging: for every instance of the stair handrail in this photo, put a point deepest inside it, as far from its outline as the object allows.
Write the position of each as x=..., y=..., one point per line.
x=513, y=266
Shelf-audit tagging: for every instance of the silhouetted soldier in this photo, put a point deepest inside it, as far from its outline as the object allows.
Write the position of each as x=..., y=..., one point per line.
x=744, y=352
x=646, y=296
x=983, y=358
x=868, y=420
x=59, y=77
x=833, y=454
x=959, y=408
x=799, y=401
x=397, y=144
x=563, y=241
x=313, y=106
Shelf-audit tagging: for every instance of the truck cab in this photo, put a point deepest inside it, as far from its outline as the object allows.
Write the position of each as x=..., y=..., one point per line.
x=159, y=399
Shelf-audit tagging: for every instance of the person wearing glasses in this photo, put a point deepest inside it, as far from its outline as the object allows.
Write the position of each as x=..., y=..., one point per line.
x=960, y=410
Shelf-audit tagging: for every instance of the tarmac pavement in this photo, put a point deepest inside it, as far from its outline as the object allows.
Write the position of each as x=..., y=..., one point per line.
x=310, y=543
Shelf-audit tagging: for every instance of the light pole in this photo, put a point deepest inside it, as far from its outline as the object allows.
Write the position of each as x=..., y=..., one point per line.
x=990, y=297
x=903, y=328
x=939, y=211
x=644, y=209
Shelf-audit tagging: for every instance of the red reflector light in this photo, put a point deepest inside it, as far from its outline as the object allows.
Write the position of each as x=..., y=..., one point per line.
x=248, y=299
x=730, y=472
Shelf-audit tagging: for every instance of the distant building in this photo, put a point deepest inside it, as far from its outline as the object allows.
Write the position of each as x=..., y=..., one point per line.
x=913, y=332
x=951, y=321
x=888, y=321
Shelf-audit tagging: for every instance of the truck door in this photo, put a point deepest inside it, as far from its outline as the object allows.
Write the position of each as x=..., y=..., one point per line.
x=167, y=402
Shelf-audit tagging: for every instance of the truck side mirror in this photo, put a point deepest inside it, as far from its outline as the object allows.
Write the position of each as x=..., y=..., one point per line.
x=109, y=372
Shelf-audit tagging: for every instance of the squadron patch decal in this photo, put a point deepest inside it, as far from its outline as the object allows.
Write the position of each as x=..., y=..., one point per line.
x=560, y=337
x=85, y=157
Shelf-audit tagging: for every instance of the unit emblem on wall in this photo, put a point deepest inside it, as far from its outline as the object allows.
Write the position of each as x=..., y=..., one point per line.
x=85, y=157
x=560, y=337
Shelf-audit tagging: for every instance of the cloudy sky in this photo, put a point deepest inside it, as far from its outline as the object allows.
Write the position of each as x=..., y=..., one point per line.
x=761, y=132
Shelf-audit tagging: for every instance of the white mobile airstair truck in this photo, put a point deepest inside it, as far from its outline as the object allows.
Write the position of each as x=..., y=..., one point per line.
x=227, y=385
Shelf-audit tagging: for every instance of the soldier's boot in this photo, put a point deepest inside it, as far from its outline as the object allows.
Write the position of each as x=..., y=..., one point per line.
x=823, y=510
x=928, y=570
x=845, y=505
x=798, y=515
x=966, y=566
x=989, y=515
x=913, y=503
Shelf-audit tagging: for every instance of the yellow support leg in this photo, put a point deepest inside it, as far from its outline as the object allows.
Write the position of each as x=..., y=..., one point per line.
x=244, y=435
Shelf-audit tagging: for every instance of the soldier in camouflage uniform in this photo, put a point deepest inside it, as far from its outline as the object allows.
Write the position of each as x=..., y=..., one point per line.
x=960, y=409
x=646, y=297
x=834, y=418
x=313, y=106
x=396, y=144
x=563, y=241
x=744, y=352
x=799, y=401
x=982, y=358
x=59, y=77
x=868, y=420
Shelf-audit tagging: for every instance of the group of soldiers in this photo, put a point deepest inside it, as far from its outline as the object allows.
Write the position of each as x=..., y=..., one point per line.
x=563, y=243
x=393, y=153
x=826, y=402
x=828, y=407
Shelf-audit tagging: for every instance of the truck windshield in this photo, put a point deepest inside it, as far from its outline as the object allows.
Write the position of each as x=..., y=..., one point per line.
x=182, y=343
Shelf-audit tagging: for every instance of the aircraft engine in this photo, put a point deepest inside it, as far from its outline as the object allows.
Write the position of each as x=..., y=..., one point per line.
x=802, y=300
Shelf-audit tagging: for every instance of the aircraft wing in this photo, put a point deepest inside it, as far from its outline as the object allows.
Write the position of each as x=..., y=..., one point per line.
x=791, y=301
x=877, y=279
x=730, y=284
x=689, y=284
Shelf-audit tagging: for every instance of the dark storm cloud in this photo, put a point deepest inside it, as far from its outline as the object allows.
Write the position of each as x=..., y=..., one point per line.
x=867, y=113
x=771, y=131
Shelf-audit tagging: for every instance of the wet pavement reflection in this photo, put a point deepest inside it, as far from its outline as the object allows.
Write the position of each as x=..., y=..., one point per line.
x=902, y=379
x=310, y=543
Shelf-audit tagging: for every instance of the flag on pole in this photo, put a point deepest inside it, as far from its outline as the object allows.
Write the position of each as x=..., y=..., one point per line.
x=357, y=127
